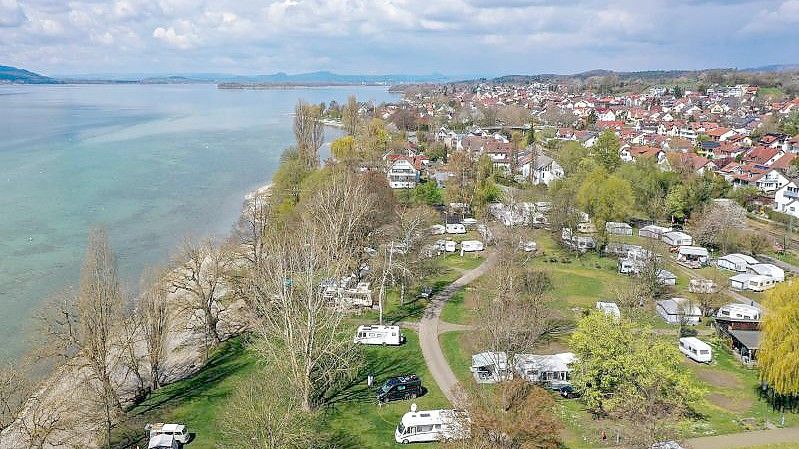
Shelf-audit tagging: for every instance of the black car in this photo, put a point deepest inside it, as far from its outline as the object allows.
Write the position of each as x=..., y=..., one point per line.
x=399, y=388
x=568, y=392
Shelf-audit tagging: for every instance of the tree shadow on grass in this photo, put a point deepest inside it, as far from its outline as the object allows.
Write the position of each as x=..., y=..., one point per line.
x=228, y=359
x=411, y=309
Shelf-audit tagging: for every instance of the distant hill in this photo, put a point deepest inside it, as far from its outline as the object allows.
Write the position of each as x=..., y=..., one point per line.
x=280, y=78
x=14, y=75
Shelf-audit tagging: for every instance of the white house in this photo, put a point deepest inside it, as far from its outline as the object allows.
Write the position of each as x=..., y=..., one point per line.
x=677, y=238
x=736, y=262
x=786, y=199
x=545, y=170
x=677, y=310
x=770, y=181
x=402, y=175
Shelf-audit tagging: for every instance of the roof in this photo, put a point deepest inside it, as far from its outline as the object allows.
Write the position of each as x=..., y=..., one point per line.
x=161, y=441
x=693, y=250
x=428, y=417
x=750, y=339
x=738, y=257
x=553, y=362
x=676, y=235
x=499, y=359
x=675, y=306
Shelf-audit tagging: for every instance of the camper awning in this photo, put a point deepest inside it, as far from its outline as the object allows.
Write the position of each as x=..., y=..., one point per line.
x=483, y=359
x=750, y=339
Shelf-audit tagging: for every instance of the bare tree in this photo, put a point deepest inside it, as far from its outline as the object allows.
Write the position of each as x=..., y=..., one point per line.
x=200, y=277
x=309, y=132
x=263, y=415
x=14, y=389
x=350, y=116
x=251, y=227
x=155, y=321
x=303, y=336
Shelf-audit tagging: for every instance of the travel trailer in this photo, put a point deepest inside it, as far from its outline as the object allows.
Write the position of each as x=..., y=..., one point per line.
x=696, y=349
x=167, y=432
x=490, y=367
x=455, y=228
x=754, y=282
x=379, y=335
x=552, y=371
x=653, y=231
x=469, y=246
x=737, y=311
x=736, y=262
x=677, y=238
x=431, y=425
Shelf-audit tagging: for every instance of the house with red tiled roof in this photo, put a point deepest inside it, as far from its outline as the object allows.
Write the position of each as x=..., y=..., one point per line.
x=691, y=162
x=785, y=161
x=720, y=134
x=630, y=154
x=763, y=155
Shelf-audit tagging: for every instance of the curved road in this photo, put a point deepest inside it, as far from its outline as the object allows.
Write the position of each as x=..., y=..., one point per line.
x=431, y=326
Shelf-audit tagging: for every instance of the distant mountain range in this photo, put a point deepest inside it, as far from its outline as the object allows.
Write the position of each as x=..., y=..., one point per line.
x=16, y=75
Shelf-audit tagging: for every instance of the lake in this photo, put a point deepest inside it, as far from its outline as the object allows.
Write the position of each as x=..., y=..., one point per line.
x=150, y=163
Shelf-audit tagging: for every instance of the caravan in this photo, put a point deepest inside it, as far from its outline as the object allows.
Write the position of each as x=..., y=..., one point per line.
x=455, y=228
x=468, y=246
x=432, y=425
x=696, y=349
x=379, y=335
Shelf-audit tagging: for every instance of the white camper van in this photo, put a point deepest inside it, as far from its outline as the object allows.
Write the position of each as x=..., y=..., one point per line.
x=379, y=335
x=431, y=425
x=469, y=246
x=456, y=228
x=696, y=349
x=161, y=432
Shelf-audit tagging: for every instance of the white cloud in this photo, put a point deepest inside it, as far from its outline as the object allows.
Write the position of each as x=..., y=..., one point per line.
x=11, y=14
x=183, y=37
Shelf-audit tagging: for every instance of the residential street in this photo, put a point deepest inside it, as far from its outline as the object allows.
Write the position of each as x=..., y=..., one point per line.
x=431, y=326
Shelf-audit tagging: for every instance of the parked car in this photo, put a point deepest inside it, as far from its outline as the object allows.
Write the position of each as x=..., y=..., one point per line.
x=167, y=436
x=568, y=392
x=425, y=292
x=400, y=388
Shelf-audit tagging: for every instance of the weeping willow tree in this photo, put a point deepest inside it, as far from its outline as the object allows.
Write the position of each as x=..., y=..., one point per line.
x=779, y=346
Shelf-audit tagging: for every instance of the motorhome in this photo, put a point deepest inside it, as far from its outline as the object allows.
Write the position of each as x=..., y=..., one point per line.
x=455, y=228
x=378, y=335
x=178, y=432
x=469, y=246
x=431, y=425
x=696, y=349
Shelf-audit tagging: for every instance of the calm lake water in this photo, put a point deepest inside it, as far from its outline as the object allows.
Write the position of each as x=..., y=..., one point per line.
x=151, y=163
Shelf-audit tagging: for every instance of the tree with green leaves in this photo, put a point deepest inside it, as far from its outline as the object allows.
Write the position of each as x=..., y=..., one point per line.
x=629, y=373
x=428, y=193
x=606, y=150
x=605, y=197
x=778, y=358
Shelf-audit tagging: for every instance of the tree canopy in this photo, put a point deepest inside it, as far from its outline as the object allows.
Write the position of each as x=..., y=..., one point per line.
x=778, y=358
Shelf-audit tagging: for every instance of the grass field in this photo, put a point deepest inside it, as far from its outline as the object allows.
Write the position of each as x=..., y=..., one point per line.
x=196, y=401
x=457, y=354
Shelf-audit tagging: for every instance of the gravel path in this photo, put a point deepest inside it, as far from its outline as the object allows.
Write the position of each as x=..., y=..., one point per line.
x=431, y=326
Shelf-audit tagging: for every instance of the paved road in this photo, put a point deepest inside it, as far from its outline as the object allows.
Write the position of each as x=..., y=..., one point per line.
x=431, y=326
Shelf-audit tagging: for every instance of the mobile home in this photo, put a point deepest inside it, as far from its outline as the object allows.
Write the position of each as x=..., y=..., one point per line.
x=693, y=256
x=468, y=246
x=677, y=238
x=666, y=277
x=696, y=349
x=431, y=425
x=617, y=228
x=677, y=310
x=653, y=231
x=736, y=262
x=551, y=370
x=769, y=270
x=490, y=367
x=455, y=228
x=754, y=282
x=378, y=335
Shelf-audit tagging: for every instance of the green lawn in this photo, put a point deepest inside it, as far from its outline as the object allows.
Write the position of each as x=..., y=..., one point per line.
x=359, y=422
x=455, y=310
x=459, y=358
x=196, y=401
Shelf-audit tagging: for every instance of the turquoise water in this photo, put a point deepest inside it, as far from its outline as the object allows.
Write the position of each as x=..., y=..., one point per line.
x=151, y=163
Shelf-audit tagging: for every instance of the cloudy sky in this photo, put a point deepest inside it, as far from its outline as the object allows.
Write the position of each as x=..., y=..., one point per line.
x=394, y=36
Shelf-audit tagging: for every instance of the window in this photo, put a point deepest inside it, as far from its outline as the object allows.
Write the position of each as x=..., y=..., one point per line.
x=427, y=428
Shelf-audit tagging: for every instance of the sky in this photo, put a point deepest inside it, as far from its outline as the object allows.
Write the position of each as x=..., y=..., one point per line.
x=486, y=37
